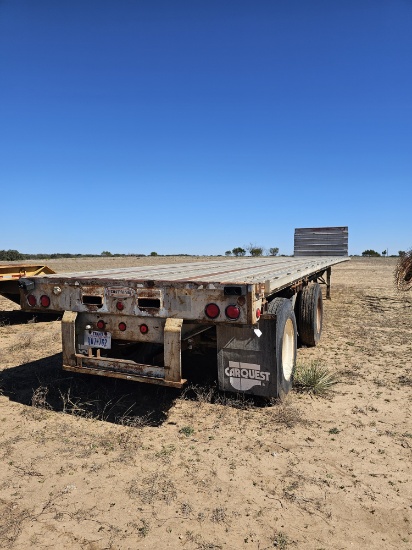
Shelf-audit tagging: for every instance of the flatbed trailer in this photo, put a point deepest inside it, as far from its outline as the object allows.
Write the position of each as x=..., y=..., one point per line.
x=133, y=323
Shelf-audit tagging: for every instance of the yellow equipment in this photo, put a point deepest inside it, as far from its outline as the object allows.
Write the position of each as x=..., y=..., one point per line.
x=10, y=275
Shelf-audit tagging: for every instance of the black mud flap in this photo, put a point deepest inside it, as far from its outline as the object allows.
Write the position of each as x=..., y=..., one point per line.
x=247, y=360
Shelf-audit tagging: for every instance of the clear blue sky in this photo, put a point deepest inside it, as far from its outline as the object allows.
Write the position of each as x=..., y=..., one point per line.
x=196, y=126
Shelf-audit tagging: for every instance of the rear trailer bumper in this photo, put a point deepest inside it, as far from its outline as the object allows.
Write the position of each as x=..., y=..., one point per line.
x=246, y=356
x=167, y=375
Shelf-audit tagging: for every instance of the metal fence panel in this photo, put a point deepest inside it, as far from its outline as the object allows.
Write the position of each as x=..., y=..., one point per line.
x=321, y=241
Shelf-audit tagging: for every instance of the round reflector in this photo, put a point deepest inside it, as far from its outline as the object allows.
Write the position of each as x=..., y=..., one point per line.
x=144, y=329
x=232, y=312
x=100, y=324
x=258, y=313
x=122, y=326
x=44, y=300
x=212, y=311
x=120, y=306
x=31, y=300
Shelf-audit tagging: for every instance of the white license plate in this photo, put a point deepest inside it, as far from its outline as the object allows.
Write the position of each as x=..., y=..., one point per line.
x=96, y=339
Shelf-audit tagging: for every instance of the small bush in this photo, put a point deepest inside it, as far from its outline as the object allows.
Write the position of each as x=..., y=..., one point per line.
x=314, y=378
x=239, y=251
x=281, y=541
x=370, y=253
x=187, y=431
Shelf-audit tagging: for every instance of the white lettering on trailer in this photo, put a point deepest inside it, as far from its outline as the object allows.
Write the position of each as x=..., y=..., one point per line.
x=243, y=376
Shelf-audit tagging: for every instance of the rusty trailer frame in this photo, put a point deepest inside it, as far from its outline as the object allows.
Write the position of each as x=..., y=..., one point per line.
x=166, y=305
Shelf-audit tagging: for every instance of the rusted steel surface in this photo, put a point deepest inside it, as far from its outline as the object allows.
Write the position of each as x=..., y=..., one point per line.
x=172, y=349
x=177, y=290
x=69, y=337
x=134, y=377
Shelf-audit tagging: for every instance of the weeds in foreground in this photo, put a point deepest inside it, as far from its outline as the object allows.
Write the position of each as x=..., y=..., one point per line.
x=94, y=399
x=152, y=489
x=314, y=378
x=211, y=394
x=281, y=541
x=218, y=515
x=39, y=399
x=141, y=529
x=187, y=431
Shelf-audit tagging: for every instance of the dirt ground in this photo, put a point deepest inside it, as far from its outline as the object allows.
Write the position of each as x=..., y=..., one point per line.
x=92, y=464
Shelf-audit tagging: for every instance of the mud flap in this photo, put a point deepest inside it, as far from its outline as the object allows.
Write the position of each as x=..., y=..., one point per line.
x=247, y=362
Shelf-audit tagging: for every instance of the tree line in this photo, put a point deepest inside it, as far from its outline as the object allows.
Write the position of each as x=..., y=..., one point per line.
x=254, y=250
x=373, y=254
x=15, y=255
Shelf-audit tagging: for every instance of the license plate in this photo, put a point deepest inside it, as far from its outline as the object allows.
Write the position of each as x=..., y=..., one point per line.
x=96, y=339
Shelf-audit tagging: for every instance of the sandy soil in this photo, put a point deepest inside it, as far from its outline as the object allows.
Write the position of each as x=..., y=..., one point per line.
x=90, y=463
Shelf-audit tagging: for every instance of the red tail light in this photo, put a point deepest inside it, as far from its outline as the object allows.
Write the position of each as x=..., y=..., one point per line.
x=144, y=329
x=212, y=311
x=44, y=301
x=31, y=300
x=101, y=325
x=120, y=306
x=232, y=312
x=258, y=313
x=122, y=326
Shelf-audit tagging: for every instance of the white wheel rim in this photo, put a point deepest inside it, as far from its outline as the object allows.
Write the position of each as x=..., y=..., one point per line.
x=319, y=316
x=288, y=349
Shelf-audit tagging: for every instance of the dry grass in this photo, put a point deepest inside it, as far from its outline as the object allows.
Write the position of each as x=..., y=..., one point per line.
x=403, y=272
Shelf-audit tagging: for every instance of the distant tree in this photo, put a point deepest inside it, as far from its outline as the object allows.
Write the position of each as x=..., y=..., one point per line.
x=154, y=254
x=370, y=253
x=255, y=250
x=106, y=253
x=11, y=255
x=384, y=253
x=228, y=253
x=402, y=253
x=239, y=251
x=273, y=251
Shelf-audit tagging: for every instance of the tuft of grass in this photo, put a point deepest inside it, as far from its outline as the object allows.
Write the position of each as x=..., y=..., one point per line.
x=39, y=399
x=187, y=431
x=280, y=540
x=152, y=489
x=314, y=378
x=218, y=515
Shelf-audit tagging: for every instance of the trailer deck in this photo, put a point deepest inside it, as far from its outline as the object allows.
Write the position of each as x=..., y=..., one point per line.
x=275, y=273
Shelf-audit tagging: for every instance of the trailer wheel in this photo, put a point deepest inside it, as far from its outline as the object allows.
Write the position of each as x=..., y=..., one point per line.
x=286, y=342
x=310, y=314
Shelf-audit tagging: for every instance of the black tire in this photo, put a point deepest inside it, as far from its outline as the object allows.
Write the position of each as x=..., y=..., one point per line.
x=286, y=343
x=309, y=308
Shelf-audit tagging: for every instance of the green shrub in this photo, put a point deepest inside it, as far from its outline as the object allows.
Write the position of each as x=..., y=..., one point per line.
x=314, y=378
